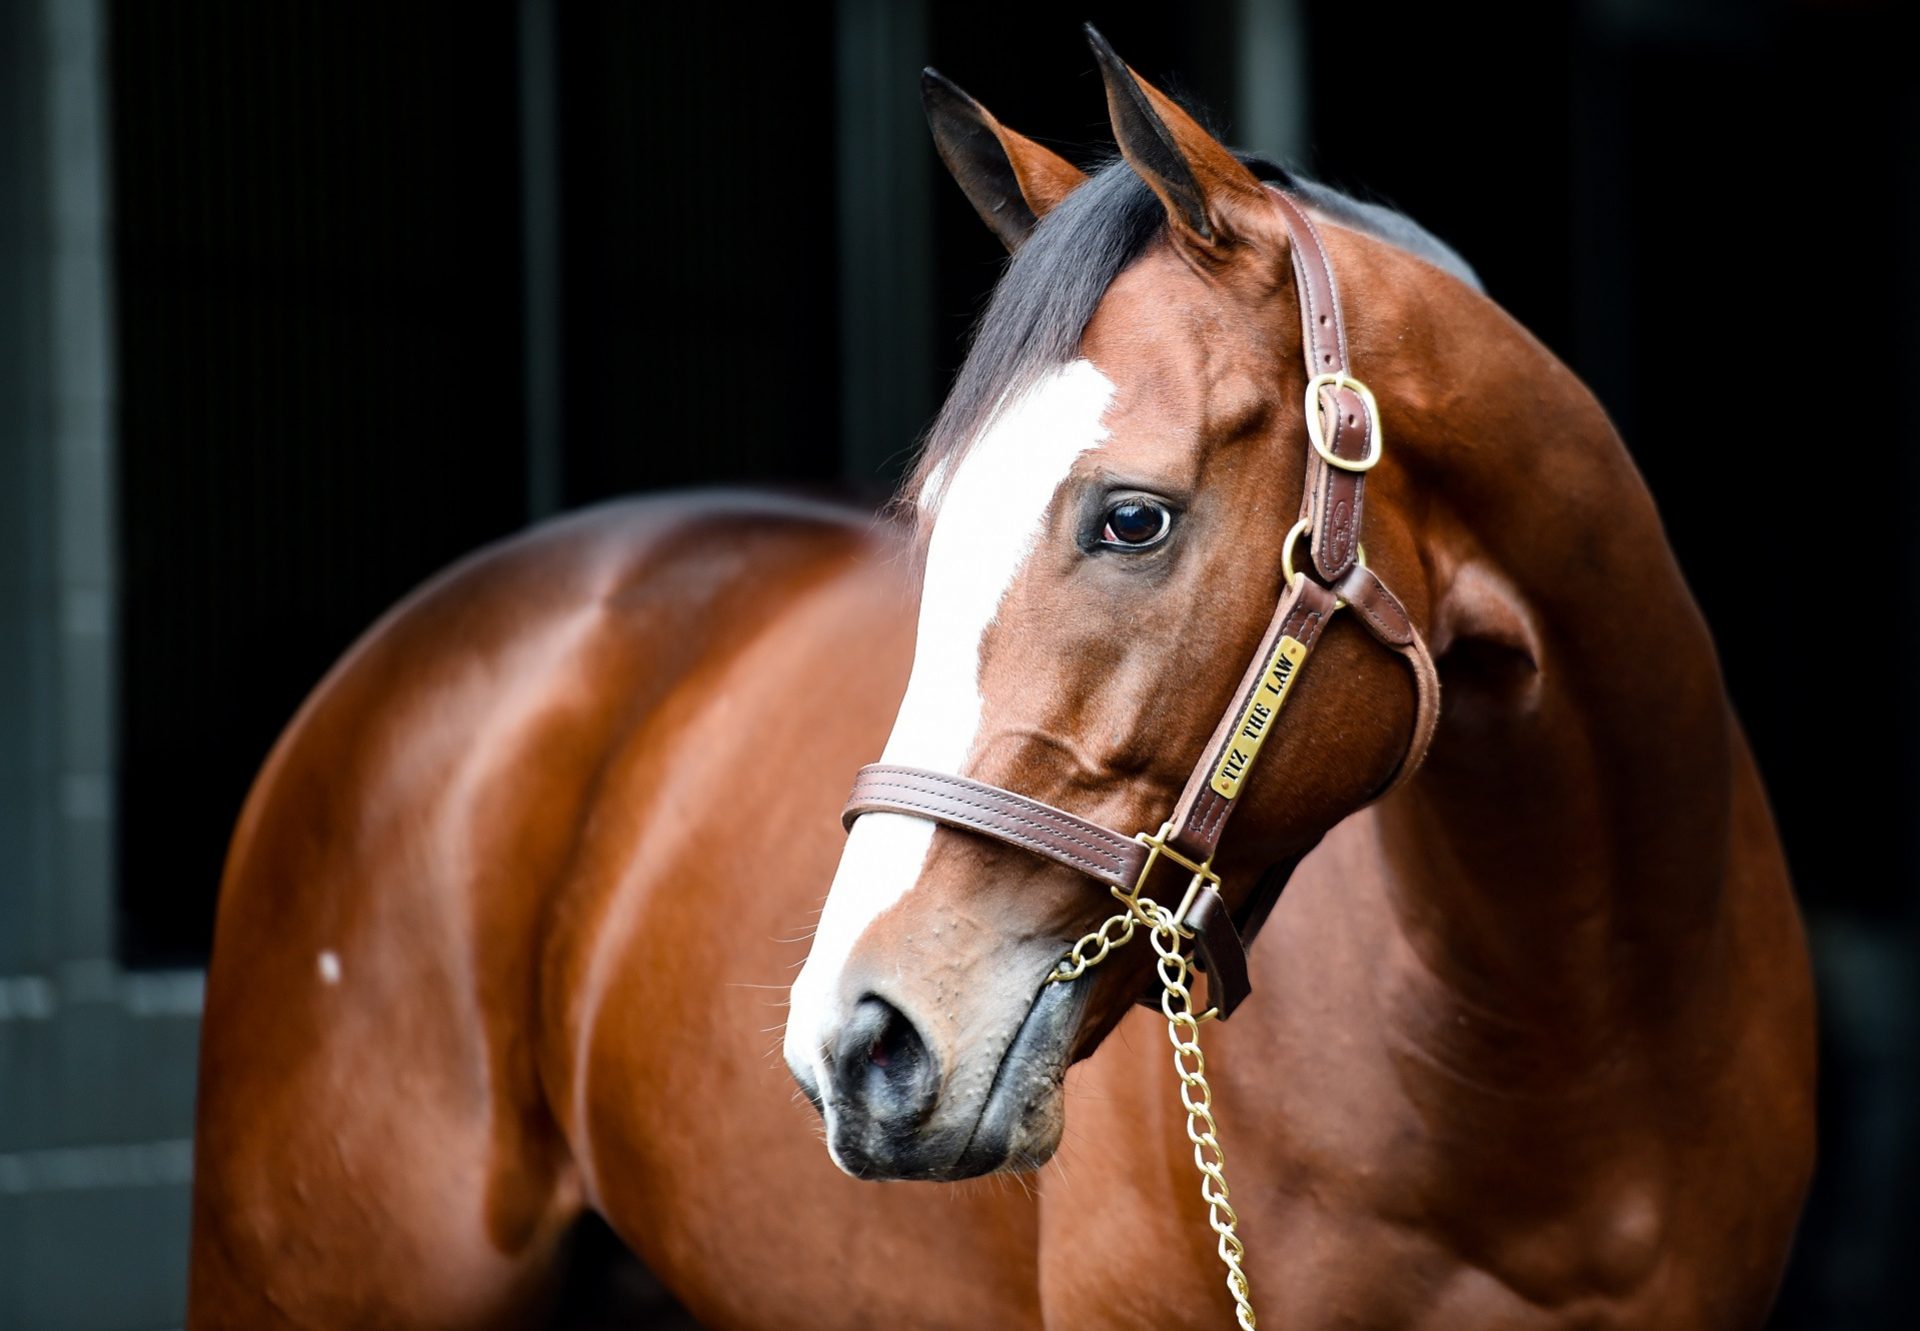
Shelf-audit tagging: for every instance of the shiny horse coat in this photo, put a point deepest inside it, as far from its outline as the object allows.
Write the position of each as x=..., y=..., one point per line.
x=510, y=918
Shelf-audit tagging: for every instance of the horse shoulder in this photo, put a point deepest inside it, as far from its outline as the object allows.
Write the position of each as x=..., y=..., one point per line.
x=371, y=1037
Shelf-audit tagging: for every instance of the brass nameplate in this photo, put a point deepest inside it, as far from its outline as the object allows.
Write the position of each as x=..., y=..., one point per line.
x=1268, y=696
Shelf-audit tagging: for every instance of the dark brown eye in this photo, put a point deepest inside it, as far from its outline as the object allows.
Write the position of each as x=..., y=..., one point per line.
x=1135, y=524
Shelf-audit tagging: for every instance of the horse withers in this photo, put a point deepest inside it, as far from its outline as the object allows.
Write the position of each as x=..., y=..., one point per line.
x=511, y=911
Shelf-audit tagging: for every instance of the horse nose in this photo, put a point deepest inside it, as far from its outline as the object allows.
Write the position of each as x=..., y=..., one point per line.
x=881, y=1067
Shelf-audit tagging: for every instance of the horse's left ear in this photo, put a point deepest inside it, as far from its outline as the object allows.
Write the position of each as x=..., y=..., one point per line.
x=1204, y=187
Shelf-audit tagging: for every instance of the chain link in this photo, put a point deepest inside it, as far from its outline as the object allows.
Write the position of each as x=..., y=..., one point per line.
x=1092, y=949
x=1183, y=1033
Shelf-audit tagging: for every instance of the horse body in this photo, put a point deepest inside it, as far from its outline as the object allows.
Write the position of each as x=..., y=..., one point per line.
x=509, y=915
x=482, y=961
x=563, y=864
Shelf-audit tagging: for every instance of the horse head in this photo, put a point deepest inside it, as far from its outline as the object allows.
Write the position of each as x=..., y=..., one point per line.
x=1105, y=504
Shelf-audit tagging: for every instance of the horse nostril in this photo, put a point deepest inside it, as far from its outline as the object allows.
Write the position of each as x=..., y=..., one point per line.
x=883, y=1062
x=897, y=1038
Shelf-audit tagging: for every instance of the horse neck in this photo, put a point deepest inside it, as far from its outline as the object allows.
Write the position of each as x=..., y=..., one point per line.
x=1573, y=816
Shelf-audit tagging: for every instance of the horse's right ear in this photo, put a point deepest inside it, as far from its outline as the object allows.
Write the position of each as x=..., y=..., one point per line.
x=1010, y=180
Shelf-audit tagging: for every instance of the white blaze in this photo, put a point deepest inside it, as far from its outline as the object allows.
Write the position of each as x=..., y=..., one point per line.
x=989, y=522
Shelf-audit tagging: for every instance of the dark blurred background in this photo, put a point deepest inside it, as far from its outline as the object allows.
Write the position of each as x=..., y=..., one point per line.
x=300, y=301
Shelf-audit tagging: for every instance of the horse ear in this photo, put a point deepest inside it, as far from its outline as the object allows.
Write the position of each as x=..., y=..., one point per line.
x=1010, y=180
x=1197, y=179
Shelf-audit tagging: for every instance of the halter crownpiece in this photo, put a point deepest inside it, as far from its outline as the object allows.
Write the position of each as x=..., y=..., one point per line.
x=1343, y=428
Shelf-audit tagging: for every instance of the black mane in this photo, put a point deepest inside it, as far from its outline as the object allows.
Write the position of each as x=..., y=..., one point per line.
x=1055, y=281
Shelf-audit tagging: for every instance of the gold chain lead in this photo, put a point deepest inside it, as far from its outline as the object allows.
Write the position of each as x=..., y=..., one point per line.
x=1196, y=1095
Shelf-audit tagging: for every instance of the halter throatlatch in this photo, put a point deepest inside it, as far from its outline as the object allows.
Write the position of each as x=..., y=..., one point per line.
x=1344, y=438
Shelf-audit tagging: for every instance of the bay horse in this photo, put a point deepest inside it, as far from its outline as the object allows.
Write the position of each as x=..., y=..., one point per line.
x=510, y=912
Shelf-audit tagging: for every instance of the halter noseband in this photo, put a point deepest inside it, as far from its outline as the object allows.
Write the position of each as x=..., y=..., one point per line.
x=1343, y=429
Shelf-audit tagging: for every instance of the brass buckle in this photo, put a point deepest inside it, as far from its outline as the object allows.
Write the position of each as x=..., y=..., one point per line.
x=1316, y=434
x=1203, y=874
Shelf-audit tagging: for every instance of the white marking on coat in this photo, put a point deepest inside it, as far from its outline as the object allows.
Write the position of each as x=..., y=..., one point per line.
x=990, y=518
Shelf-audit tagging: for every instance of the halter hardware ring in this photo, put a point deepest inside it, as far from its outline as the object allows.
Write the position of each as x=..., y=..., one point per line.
x=1286, y=557
x=1203, y=874
x=1316, y=434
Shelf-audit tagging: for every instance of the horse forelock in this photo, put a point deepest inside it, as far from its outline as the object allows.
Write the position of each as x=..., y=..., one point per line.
x=1037, y=313
x=1052, y=285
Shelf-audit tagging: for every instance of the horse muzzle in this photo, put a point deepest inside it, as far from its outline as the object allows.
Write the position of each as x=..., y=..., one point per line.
x=896, y=1108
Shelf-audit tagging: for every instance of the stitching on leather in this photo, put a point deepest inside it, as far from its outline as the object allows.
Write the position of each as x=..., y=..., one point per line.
x=941, y=814
x=1012, y=810
x=1306, y=284
x=1396, y=630
x=1373, y=617
x=1211, y=805
x=1218, y=815
x=1064, y=832
x=1331, y=537
x=1214, y=815
x=1334, y=542
x=1426, y=713
x=1336, y=545
x=1313, y=617
x=1333, y=289
x=1305, y=271
x=1041, y=814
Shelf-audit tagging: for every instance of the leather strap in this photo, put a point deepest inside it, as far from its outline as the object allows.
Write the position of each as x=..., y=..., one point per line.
x=1057, y=835
x=1331, y=507
x=1222, y=953
x=1380, y=610
x=1331, y=498
x=961, y=802
x=1200, y=815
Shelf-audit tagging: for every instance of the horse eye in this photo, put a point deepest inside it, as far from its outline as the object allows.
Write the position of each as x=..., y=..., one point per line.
x=1134, y=524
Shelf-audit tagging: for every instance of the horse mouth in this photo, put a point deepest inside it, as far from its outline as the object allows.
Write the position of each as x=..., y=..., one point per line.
x=1022, y=1116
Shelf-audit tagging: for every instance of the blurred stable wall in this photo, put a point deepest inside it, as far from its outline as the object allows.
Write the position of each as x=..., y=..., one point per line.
x=303, y=301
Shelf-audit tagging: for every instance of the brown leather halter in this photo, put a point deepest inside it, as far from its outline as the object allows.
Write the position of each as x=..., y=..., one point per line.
x=1344, y=439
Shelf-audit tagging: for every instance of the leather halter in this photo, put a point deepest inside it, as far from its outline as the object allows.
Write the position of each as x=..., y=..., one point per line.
x=1344, y=442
